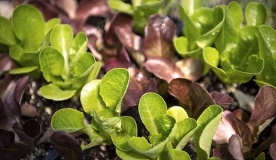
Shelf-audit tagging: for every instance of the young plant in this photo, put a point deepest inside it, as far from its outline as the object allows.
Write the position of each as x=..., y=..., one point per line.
x=139, y=9
x=25, y=35
x=239, y=132
x=169, y=132
x=66, y=64
x=101, y=99
x=17, y=136
x=219, y=38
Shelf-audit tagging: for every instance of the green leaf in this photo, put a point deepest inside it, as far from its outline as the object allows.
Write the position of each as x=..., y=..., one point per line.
x=211, y=56
x=228, y=36
x=7, y=35
x=129, y=129
x=255, y=14
x=191, y=5
x=152, y=107
x=141, y=146
x=23, y=58
x=191, y=31
x=173, y=154
x=203, y=19
x=120, y=6
x=50, y=24
x=185, y=130
x=25, y=19
x=113, y=88
x=131, y=155
x=67, y=120
x=181, y=44
x=79, y=45
x=178, y=113
x=267, y=43
x=207, y=124
x=261, y=156
x=53, y=92
x=23, y=70
x=90, y=97
x=236, y=14
x=51, y=63
x=81, y=63
x=61, y=38
x=211, y=32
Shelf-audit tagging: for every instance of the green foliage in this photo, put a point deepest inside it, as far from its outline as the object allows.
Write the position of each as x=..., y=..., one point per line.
x=104, y=109
x=139, y=9
x=168, y=134
x=65, y=64
x=25, y=46
x=236, y=45
x=169, y=129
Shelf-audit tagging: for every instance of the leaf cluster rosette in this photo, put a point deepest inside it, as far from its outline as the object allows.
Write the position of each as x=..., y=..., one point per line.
x=25, y=35
x=101, y=99
x=234, y=44
x=66, y=64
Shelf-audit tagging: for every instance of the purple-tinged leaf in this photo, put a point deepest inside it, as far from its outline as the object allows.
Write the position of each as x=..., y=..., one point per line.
x=12, y=108
x=32, y=128
x=29, y=110
x=24, y=140
x=122, y=60
x=241, y=115
x=180, y=88
x=225, y=128
x=136, y=88
x=66, y=145
x=8, y=149
x=192, y=69
x=235, y=147
x=6, y=63
x=88, y=8
x=94, y=36
x=48, y=10
x=159, y=34
x=222, y=99
x=221, y=151
x=265, y=106
x=67, y=6
x=163, y=68
x=271, y=139
x=2, y=109
x=200, y=99
x=231, y=150
x=245, y=134
x=121, y=29
x=5, y=83
x=20, y=88
x=272, y=150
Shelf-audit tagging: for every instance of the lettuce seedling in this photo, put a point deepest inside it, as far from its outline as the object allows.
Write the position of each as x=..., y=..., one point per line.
x=221, y=39
x=139, y=9
x=169, y=131
x=25, y=35
x=66, y=64
x=239, y=132
x=101, y=99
